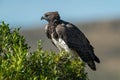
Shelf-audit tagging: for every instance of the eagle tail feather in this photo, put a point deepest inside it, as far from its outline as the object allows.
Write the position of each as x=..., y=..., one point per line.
x=96, y=59
x=92, y=65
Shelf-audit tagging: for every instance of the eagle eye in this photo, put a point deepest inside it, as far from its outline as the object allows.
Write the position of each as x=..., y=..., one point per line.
x=46, y=15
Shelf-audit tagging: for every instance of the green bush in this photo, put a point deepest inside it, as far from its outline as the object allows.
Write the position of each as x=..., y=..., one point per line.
x=16, y=63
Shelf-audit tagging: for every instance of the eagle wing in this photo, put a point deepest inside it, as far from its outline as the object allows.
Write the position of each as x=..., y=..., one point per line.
x=78, y=42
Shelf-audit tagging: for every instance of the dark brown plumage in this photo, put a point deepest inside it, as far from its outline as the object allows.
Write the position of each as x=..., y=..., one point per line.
x=67, y=36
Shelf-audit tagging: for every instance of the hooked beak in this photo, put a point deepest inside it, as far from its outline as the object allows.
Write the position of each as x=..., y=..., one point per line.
x=43, y=17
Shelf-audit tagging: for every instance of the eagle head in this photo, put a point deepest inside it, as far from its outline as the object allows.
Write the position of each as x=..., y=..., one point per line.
x=51, y=16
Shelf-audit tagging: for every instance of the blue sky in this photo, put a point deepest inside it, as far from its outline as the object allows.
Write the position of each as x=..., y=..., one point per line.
x=28, y=12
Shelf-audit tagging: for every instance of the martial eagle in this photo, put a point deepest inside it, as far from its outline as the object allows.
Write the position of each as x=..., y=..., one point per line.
x=65, y=35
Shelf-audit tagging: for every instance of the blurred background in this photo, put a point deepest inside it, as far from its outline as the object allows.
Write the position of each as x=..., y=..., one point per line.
x=98, y=20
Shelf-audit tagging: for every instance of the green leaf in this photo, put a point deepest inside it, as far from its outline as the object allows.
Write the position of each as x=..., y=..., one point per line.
x=18, y=64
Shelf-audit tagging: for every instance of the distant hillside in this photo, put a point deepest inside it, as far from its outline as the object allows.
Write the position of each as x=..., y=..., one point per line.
x=104, y=35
